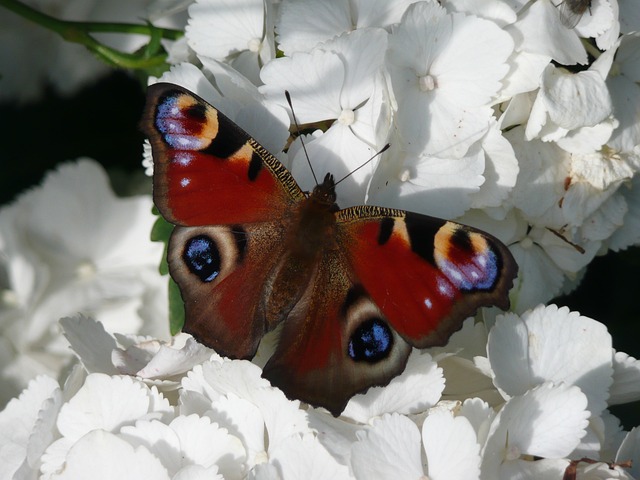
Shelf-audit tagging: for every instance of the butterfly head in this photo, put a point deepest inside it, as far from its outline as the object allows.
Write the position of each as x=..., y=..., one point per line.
x=325, y=192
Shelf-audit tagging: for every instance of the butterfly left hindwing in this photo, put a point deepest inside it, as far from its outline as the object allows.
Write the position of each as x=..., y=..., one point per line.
x=355, y=289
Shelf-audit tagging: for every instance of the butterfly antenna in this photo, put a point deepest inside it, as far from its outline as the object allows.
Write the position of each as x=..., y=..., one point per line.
x=295, y=122
x=384, y=149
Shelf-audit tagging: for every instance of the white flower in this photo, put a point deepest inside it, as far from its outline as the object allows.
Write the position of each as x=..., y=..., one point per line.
x=482, y=127
x=302, y=456
x=463, y=362
x=539, y=30
x=566, y=102
x=552, y=344
x=27, y=426
x=102, y=455
x=432, y=185
x=339, y=81
x=625, y=91
x=155, y=362
x=445, y=69
x=547, y=422
x=233, y=394
x=626, y=379
x=303, y=24
x=415, y=390
x=630, y=451
x=629, y=233
x=189, y=441
x=97, y=406
x=391, y=448
x=71, y=245
x=238, y=33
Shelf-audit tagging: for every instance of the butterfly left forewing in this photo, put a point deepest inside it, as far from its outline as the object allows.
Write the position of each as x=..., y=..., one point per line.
x=426, y=274
x=207, y=170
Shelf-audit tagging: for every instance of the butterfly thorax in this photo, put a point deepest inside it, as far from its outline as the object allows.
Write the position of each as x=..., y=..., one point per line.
x=310, y=234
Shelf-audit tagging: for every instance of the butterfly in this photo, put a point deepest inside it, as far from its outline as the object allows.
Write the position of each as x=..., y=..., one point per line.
x=353, y=290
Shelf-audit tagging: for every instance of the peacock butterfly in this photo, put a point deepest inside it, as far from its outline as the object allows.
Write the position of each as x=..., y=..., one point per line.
x=354, y=289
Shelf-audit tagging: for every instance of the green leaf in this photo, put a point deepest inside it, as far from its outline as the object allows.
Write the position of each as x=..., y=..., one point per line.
x=176, y=308
x=160, y=232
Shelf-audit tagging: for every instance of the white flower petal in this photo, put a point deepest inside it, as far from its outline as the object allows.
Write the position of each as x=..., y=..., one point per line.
x=539, y=31
x=626, y=104
x=542, y=469
x=432, y=56
x=612, y=436
x=552, y=344
x=629, y=233
x=574, y=100
x=465, y=379
x=303, y=23
x=548, y=421
x=390, y=448
x=98, y=405
x=282, y=417
x=314, y=81
x=189, y=440
x=630, y=450
x=543, y=169
x=91, y=343
x=379, y=13
x=415, y=390
x=102, y=455
x=602, y=223
x=362, y=52
x=338, y=151
x=451, y=447
x=244, y=420
x=219, y=28
x=539, y=279
x=174, y=359
x=35, y=409
x=197, y=472
x=497, y=11
x=626, y=379
x=480, y=415
x=302, y=456
x=557, y=244
x=524, y=74
x=336, y=434
x=500, y=172
x=205, y=443
x=441, y=187
x=588, y=139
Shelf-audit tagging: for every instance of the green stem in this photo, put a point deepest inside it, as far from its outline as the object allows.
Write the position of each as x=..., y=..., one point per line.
x=78, y=32
x=591, y=49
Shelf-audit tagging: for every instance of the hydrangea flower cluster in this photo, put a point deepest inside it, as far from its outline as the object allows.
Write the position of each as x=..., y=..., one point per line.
x=527, y=399
x=498, y=115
